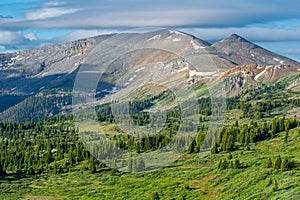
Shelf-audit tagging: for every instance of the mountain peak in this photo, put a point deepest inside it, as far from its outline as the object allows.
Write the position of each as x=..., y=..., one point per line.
x=241, y=51
x=236, y=37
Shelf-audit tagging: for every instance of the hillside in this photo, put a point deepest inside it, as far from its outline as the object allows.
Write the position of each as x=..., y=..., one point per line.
x=246, y=169
x=151, y=115
x=167, y=55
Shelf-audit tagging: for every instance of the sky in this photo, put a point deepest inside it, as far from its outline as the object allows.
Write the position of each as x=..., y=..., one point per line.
x=27, y=24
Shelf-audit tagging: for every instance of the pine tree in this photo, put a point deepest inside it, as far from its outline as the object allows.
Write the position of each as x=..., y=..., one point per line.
x=269, y=163
x=237, y=164
x=230, y=164
x=2, y=172
x=223, y=164
x=229, y=142
x=284, y=164
x=191, y=148
x=92, y=165
x=277, y=163
x=286, y=136
x=275, y=187
x=214, y=149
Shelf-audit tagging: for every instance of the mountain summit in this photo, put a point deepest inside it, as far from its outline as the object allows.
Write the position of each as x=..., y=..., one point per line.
x=240, y=51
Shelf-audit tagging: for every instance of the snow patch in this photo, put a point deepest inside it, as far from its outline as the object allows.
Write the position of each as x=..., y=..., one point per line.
x=13, y=89
x=276, y=59
x=195, y=73
x=194, y=45
x=176, y=40
x=140, y=69
x=18, y=58
x=260, y=74
x=252, y=54
x=113, y=90
x=281, y=62
x=176, y=32
x=155, y=37
x=130, y=80
x=169, y=38
x=183, y=69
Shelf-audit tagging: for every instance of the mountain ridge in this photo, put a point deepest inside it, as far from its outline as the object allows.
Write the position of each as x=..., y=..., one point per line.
x=28, y=73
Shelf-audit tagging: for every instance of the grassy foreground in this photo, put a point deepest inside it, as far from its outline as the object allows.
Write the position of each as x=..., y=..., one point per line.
x=191, y=177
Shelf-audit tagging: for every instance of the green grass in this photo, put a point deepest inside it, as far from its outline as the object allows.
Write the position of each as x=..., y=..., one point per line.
x=191, y=177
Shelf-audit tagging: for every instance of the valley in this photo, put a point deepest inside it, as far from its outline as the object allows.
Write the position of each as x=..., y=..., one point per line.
x=151, y=115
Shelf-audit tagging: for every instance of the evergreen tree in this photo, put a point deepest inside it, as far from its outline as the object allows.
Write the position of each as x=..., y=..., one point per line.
x=223, y=164
x=92, y=165
x=2, y=172
x=269, y=163
x=275, y=187
x=286, y=136
x=191, y=148
x=277, y=163
x=214, y=149
x=237, y=164
x=284, y=164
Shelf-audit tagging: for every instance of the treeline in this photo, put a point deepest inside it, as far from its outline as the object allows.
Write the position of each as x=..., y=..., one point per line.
x=260, y=109
x=244, y=134
x=49, y=145
x=45, y=104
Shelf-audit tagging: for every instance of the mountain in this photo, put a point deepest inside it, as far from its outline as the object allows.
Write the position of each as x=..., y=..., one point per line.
x=126, y=60
x=240, y=51
x=203, y=123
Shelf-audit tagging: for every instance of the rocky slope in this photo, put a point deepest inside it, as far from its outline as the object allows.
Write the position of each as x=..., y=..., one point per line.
x=126, y=61
x=240, y=51
x=240, y=77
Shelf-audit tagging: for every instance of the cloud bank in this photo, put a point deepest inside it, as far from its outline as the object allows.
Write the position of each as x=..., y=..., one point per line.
x=257, y=20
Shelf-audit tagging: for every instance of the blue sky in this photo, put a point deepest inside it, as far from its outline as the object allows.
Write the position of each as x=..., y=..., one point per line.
x=26, y=24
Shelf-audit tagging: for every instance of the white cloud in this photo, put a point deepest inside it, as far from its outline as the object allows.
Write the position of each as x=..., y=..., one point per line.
x=251, y=33
x=16, y=40
x=54, y=3
x=31, y=36
x=46, y=13
x=80, y=34
x=118, y=13
x=10, y=37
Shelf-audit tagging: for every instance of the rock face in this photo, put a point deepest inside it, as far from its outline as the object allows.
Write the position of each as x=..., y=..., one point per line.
x=238, y=78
